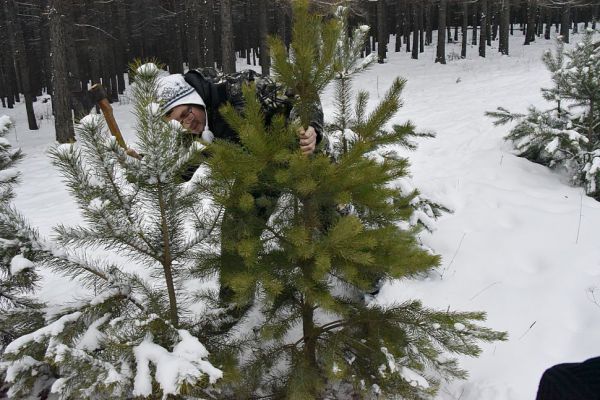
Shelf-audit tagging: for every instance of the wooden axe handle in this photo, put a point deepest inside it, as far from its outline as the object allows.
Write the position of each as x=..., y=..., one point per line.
x=101, y=99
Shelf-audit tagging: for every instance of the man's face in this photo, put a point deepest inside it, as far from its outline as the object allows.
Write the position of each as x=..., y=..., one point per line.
x=191, y=117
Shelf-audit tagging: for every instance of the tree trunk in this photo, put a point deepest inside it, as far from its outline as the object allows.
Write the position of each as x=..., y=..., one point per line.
x=407, y=24
x=422, y=26
x=122, y=47
x=488, y=25
x=465, y=29
x=548, y=26
x=496, y=14
x=381, y=32
x=227, y=48
x=194, y=27
x=63, y=122
x=531, y=28
x=504, y=25
x=475, y=24
x=281, y=21
x=399, y=26
x=415, y=33
x=428, y=24
x=207, y=55
x=17, y=43
x=263, y=32
x=565, y=22
x=441, y=43
x=175, y=30
x=483, y=29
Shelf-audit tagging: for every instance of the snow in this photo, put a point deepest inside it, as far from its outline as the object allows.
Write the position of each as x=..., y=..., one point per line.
x=154, y=109
x=553, y=145
x=5, y=122
x=22, y=364
x=184, y=364
x=91, y=338
x=51, y=330
x=413, y=378
x=148, y=68
x=58, y=385
x=19, y=263
x=521, y=244
x=8, y=174
x=91, y=121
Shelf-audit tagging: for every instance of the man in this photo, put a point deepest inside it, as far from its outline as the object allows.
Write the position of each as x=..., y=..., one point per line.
x=194, y=99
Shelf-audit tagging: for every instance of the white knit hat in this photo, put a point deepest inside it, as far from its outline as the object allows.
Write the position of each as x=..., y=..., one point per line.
x=173, y=90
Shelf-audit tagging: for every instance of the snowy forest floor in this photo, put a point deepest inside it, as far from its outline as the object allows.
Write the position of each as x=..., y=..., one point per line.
x=520, y=244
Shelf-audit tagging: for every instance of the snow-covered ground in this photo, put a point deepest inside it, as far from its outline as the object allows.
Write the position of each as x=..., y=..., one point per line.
x=519, y=245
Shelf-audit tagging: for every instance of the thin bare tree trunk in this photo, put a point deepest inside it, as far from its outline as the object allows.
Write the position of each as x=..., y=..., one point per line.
x=504, y=26
x=17, y=43
x=227, y=48
x=531, y=28
x=381, y=32
x=63, y=122
x=483, y=29
x=415, y=33
x=441, y=43
x=263, y=32
x=565, y=21
x=465, y=29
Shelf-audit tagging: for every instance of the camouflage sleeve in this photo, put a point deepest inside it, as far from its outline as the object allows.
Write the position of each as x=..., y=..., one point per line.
x=272, y=96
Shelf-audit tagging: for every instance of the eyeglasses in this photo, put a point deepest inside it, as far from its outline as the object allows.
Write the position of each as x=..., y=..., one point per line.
x=187, y=117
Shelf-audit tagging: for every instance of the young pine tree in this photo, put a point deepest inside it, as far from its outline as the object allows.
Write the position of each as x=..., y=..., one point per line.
x=135, y=334
x=567, y=136
x=315, y=337
x=341, y=135
x=20, y=312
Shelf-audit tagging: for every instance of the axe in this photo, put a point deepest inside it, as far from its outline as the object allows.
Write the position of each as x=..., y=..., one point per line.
x=99, y=96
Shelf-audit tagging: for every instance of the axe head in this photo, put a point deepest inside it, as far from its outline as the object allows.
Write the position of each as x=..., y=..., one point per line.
x=98, y=93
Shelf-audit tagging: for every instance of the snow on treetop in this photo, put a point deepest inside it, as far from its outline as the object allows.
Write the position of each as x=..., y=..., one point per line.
x=154, y=109
x=8, y=174
x=97, y=204
x=5, y=123
x=90, y=121
x=183, y=365
x=553, y=145
x=91, y=338
x=19, y=264
x=148, y=68
x=22, y=364
x=50, y=330
x=174, y=124
x=413, y=378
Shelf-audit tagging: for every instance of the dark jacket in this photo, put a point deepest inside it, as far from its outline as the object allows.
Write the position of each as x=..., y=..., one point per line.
x=217, y=90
